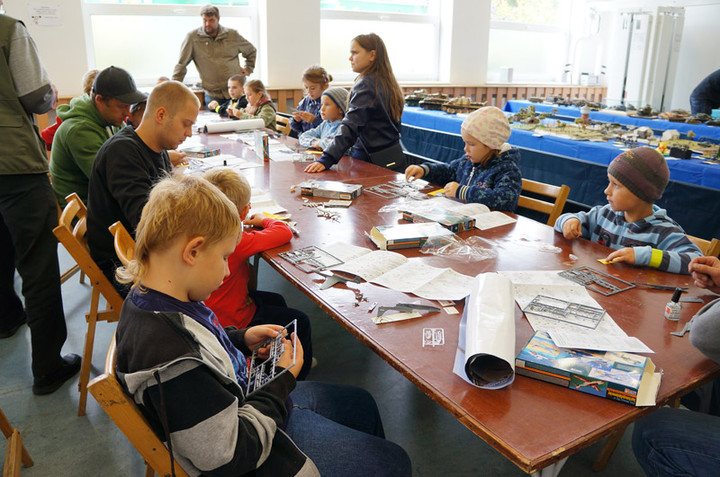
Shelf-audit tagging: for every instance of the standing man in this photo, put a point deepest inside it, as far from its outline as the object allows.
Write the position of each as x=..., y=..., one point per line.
x=129, y=164
x=87, y=123
x=28, y=211
x=215, y=50
x=706, y=95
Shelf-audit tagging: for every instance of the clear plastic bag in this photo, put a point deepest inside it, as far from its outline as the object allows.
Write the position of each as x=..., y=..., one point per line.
x=473, y=248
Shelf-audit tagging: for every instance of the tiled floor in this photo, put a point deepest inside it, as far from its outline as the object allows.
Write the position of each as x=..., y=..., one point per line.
x=63, y=444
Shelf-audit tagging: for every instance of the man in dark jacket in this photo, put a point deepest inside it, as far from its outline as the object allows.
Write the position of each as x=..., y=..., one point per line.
x=706, y=95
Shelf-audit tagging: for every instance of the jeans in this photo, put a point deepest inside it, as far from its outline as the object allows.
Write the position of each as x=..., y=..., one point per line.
x=272, y=310
x=339, y=428
x=675, y=442
x=28, y=213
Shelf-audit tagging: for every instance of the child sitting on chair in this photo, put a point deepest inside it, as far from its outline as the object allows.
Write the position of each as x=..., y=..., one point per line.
x=237, y=101
x=488, y=173
x=640, y=232
x=307, y=116
x=259, y=104
x=189, y=375
x=333, y=103
x=232, y=302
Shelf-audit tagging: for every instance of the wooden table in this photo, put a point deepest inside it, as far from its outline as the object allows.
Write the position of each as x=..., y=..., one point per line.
x=534, y=424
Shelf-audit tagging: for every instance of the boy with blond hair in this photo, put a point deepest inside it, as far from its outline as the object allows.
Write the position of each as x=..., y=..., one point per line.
x=232, y=302
x=639, y=231
x=193, y=387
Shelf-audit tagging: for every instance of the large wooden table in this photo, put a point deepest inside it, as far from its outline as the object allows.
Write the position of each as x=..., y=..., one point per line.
x=534, y=424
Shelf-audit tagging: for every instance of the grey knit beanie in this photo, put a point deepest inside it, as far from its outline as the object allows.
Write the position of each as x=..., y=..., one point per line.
x=339, y=96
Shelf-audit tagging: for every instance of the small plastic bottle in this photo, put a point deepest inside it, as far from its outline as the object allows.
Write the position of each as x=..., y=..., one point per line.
x=673, y=307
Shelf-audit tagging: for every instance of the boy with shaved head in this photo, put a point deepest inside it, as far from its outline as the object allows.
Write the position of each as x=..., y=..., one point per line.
x=129, y=163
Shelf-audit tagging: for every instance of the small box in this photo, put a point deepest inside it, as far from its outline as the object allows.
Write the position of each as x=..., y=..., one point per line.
x=392, y=237
x=201, y=152
x=624, y=377
x=680, y=153
x=330, y=189
x=262, y=146
x=453, y=221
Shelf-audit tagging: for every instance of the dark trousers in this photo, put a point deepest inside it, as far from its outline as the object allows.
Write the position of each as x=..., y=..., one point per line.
x=108, y=268
x=272, y=310
x=28, y=213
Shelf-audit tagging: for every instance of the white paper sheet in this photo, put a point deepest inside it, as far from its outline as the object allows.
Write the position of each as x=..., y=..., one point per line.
x=598, y=342
x=486, y=343
x=233, y=125
x=261, y=201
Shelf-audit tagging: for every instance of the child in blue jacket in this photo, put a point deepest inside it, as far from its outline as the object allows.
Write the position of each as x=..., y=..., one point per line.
x=332, y=110
x=639, y=231
x=489, y=172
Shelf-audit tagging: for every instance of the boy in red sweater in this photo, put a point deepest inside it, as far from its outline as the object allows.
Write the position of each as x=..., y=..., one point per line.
x=233, y=303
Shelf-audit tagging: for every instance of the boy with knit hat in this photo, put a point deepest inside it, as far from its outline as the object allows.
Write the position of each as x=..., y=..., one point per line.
x=333, y=104
x=488, y=173
x=640, y=232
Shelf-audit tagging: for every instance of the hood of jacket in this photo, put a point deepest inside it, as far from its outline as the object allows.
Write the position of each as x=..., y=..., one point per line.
x=82, y=108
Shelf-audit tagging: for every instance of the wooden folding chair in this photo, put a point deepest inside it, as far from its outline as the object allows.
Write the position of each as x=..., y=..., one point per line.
x=124, y=243
x=282, y=124
x=67, y=274
x=73, y=239
x=711, y=248
x=554, y=208
x=121, y=408
x=16, y=452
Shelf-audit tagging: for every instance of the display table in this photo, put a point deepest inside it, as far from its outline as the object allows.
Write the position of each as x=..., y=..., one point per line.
x=702, y=131
x=691, y=197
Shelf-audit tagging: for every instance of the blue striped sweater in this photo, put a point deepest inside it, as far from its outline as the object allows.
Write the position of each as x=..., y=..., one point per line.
x=659, y=242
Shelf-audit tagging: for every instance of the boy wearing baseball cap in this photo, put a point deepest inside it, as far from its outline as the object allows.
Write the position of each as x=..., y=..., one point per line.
x=640, y=232
x=488, y=173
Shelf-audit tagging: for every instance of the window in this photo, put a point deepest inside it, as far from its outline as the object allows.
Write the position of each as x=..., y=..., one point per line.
x=398, y=22
x=118, y=33
x=530, y=36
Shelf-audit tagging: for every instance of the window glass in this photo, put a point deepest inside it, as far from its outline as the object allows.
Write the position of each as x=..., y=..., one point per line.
x=118, y=39
x=239, y=3
x=397, y=6
x=540, y=12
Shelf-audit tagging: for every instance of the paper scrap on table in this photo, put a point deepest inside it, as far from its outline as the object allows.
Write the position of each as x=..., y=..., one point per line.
x=486, y=343
x=597, y=342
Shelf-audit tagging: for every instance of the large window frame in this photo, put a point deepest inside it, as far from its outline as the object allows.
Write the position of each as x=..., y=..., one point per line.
x=90, y=9
x=431, y=19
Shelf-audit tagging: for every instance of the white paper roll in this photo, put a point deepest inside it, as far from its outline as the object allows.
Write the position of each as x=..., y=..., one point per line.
x=486, y=342
x=234, y=125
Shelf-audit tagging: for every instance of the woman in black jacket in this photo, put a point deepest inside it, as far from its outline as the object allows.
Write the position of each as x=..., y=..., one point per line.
x=372, y=121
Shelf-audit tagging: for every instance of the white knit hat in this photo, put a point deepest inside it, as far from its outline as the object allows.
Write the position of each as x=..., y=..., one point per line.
x=489, y=126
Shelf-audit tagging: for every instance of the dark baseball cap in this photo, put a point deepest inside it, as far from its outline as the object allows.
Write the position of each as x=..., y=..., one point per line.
x=117, y=83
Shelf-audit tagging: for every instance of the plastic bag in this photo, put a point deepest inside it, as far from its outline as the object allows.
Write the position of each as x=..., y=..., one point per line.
x=473, y=248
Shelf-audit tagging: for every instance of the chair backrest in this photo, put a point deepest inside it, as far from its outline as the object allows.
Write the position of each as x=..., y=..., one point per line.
x=282, y=124
x=74, y=239
x=553, y=209
x=124, y=243
x=710, y=248
x=121, y=408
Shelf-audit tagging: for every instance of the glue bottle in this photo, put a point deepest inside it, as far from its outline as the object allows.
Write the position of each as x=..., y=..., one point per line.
x=672, y=309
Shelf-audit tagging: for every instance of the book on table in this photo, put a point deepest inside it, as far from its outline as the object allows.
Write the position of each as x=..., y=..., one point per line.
x=450, y=219
x=624, y=377
x=391, y=237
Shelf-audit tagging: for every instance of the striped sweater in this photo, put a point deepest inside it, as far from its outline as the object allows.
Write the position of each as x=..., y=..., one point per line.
x=659, y=242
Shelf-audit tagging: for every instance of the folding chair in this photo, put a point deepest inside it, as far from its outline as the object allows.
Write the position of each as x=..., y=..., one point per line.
x=121, y=408
x=67, y=274
x=124, y=243
x=710, y=248
x=73, y=239
x=554, y=208
x=282, y=124
x=16, y=452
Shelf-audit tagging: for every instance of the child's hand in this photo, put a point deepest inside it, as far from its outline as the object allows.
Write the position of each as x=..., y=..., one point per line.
x=307, y=117
x=257, y=334
x=414, y=172
x=626, y=255
x=315, y=167
x=285, y=360
x=234, y=112
x=706, y=272
x=212, y=105
x=297, y=116
x=572, y=229
x=254, y=220
x=451, y=188
x=316, y=145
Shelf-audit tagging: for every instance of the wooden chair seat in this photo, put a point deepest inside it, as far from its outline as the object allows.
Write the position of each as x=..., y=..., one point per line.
x=554, y=208
x=74, y=240
x=711, y=248
x=282, y=124
x=121, y=408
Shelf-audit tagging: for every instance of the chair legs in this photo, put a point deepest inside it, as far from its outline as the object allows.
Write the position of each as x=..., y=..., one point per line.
x=92, y=318
x=16, y=452
x=607, y=450
x=149, y=472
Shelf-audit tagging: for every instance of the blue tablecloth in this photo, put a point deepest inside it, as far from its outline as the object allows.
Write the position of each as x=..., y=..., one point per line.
x=702, y=131
x=692, y=197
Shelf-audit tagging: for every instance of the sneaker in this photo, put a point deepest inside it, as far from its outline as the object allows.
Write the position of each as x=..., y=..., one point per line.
x=51, y=382
x=13, y=328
